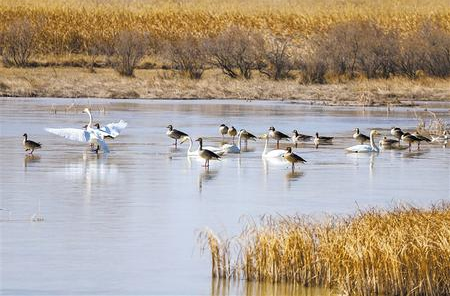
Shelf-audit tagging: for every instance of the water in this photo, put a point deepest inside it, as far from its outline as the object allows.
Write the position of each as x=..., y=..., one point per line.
x=127, y=223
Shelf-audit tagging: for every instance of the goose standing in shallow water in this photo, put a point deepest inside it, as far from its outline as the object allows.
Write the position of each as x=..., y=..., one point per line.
x=247, y=136
x=207, y=155
x=397, y=133
x=366, y=148
x=175, y=134
x=232, y=132
x=223, y=129
x=361, y=138
x=292, y=157
x=410, y=139
x=29, y=145
x=190, y=152
x=297, y=138
x=88, y=135
x=272, y=153
x=277, y=135
x=322, y=140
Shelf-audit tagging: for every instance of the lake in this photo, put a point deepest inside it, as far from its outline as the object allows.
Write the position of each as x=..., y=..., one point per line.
x=126, y=223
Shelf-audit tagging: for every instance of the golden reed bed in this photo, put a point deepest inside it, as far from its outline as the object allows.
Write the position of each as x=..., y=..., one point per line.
x=403, y=251
x=62, y=23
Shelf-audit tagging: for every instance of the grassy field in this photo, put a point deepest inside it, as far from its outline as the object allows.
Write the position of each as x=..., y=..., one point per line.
x=403, y=251
x=164, y=84
x=70, y=25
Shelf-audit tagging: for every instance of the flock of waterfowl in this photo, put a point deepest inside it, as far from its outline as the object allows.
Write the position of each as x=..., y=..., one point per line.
x=95, y=135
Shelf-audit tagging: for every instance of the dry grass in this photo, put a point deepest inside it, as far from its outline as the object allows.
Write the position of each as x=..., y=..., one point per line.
x=164, y=84
x=65, y=26
x=403, y=251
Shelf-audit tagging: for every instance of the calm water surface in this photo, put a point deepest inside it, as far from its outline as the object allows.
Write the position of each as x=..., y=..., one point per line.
x=127, y=223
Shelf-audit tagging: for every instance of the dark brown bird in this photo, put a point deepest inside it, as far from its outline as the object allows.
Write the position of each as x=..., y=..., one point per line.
x=297, y=138
x=322, y=140
x=175, y=134
x=361, y=138
x=277, y=135
x=30, y=145
x=207, y=155
x=292, y=157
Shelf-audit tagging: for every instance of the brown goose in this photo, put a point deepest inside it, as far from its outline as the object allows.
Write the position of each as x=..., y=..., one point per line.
x=207, y=155
x=421, y=138
x=277, y=135
x=232, y=132
x=223, y=129
x=322, y=140
x=388, y=143
x=361, y=138
x=175, y=134
x=292, y=157
x=30, y=145
x=247, y=136
x=297, y=138
x=408, y=138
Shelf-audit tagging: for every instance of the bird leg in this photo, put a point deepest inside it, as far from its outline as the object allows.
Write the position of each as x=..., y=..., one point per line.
x=31, y=152
x=175, y=143
x=97, y=149
x=296, y=144
x=278, y=144
x=409, y=147
x=293, y=167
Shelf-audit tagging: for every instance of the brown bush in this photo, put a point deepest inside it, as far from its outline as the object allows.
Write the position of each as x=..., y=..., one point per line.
x=236, y=52
x=437, y=55
x=277, y=59
x=188, y=56
x=17, y=43
x=129, y=49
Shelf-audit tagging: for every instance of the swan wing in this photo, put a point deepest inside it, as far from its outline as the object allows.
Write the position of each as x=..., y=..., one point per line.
x=115, y=128
x=275, y=153
x=229, y=148
x=103, y=145
x=73, y=134
x=360, y=148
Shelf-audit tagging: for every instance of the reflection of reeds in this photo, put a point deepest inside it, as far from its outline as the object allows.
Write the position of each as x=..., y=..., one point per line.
x=403, y=251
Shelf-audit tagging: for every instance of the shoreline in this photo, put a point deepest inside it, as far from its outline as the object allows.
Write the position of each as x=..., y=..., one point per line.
x=155, y=84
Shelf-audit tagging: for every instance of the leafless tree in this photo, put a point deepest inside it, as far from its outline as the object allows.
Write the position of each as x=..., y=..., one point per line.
x=129, y=49
x=188, y=56
x=18, y=43
x=276, y=62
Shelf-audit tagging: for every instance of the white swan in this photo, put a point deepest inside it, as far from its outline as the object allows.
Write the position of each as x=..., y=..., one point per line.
x=112, y=129
x=232, y=148
x=88, y=135
x=272, y=153
x=366, y=148
x=190, y=152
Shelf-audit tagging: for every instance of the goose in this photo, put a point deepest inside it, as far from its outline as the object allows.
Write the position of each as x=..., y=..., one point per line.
x=277, y=135
x=397, y=133
x=292, y=157
x=206, y=154
x=421, y=138
x=441, y=139
x=272, y=153
x=297, y=138
x=175, y=134
x=361, y=138
x=410, y=139
x=322, y=140
x=388, y=143
x=190, y=152
x=364, y=148
x=223, y=129
x=30, y=145
x=247, y=136
x=232, y=132
x=88, y=135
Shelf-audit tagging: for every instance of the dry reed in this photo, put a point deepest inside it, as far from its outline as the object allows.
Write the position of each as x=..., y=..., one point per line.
x=403, y=251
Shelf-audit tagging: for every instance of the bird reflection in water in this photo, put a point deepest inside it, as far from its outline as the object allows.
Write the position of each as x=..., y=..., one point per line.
x=225, y=287
x=205, y=176
x=29, y=159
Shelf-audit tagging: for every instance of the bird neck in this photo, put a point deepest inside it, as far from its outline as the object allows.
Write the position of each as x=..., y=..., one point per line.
x=201, y=145
x=190, y=144
x=24, y=138
x=265, y=145
x=90, y=119
x=372, y=142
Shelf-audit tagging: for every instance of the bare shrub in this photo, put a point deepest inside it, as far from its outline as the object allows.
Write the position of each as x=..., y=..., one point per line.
x=437, y=54
x=188, y=56
x=129, y=49
x=313, y=71
x=412, y=55
x=235, y=51
x=18, y=43
x=277, y=59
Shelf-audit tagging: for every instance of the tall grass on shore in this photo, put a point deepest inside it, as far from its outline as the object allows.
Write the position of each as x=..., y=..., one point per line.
x=403, y=251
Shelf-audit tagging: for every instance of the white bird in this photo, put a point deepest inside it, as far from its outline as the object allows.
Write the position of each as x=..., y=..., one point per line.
x=190, y=152
x=366, y=148
x=88, y=135
x=272, y=153
x=232, y=148
x=112, y=130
